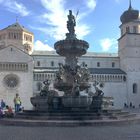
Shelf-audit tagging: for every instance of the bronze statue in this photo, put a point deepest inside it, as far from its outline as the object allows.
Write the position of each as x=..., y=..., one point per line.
x=71, y=23
x=98, y=92
x=45, y=89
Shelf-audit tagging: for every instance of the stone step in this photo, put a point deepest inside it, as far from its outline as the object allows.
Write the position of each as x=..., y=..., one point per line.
x=131, y=115
x=71, y=113
x=74, y=115
x=117, y=113
x=122, y=113
x=59, y=111
x=58, y=114
x=112, y=110
x=59, y=117
x=68, y=123
x=123, y=116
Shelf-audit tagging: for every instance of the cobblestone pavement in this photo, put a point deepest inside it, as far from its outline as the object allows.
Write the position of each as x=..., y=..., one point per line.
x=127, y=132
x=136, y=110
x=122, y=132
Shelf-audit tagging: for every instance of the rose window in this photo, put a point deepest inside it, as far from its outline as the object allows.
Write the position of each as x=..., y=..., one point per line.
x=11, y=81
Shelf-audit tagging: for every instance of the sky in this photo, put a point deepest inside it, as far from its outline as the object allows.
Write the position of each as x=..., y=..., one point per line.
x=98, y=21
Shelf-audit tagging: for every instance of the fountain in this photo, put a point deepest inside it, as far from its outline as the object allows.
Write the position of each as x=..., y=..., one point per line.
x=79, y=106
x=71, y=78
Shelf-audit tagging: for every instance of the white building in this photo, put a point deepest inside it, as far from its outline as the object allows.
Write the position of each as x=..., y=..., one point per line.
x=16, y=65
x=120, y=72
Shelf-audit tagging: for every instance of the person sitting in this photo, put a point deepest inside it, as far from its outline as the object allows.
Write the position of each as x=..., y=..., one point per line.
x=1, y=113
x=2, y=104
x=21, y=108
x=9, y=112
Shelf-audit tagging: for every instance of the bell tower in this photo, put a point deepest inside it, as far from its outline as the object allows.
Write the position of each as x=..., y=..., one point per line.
x=129, y=41
x=18, y=36
x=129, y=52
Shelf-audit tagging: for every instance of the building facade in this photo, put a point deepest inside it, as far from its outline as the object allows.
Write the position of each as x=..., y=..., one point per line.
x=16, y=64
x=24, y=71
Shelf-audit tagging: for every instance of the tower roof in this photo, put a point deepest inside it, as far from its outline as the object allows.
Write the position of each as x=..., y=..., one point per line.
x=129, y=15
x=17, y=26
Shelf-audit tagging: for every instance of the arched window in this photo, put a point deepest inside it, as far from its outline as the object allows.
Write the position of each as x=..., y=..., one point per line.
x=111, y=77
x=52, y=63
x=34, y=76
x=135, y=87
x=45, y=76
x=97, y=77
x=121, y=31
x=38, y=63
x=39, y=77
x=98, y=64
x=113, y=64
x=39, y=86
x=135, y=29
x=48, y=76
x=124, y=78
x=127, y=30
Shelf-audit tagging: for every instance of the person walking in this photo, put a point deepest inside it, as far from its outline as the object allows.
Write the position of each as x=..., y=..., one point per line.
x=17, y=103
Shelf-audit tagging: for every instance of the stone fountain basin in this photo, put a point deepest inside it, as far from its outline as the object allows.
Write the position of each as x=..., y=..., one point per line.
x=71, y=46
x=76, y=101
x=66, y=86
x=39, y=101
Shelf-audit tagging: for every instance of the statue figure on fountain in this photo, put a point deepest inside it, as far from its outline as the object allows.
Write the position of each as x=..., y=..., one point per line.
x=60, y=73
x=75, y=88
x=97, y=96
x=71, y=23
x=48, y=94
x=85, y=73
x=45, y=90
x=98, y=92
x=78, y=73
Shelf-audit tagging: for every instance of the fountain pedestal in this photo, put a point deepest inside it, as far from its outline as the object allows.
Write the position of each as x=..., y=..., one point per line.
x=76, y=101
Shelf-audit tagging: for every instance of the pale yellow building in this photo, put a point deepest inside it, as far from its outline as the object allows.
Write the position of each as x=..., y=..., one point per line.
x=17, y=36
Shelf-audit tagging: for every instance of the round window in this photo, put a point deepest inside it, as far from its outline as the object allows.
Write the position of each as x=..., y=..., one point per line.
x=11, y=80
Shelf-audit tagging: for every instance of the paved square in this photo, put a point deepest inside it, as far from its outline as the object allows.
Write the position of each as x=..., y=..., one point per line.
x=127, y=132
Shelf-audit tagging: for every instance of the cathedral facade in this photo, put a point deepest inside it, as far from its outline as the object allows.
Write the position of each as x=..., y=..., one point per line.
x=23, y=70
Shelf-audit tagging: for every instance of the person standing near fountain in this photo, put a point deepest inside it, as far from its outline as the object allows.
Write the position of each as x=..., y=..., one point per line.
x=17, y=103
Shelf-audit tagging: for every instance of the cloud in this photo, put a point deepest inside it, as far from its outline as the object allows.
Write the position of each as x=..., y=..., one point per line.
x=82, y=30
x=38, y=45
x=108, y=43
x=55, y=18
x=15, y=7
x=118, y=1
x=91, y=4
